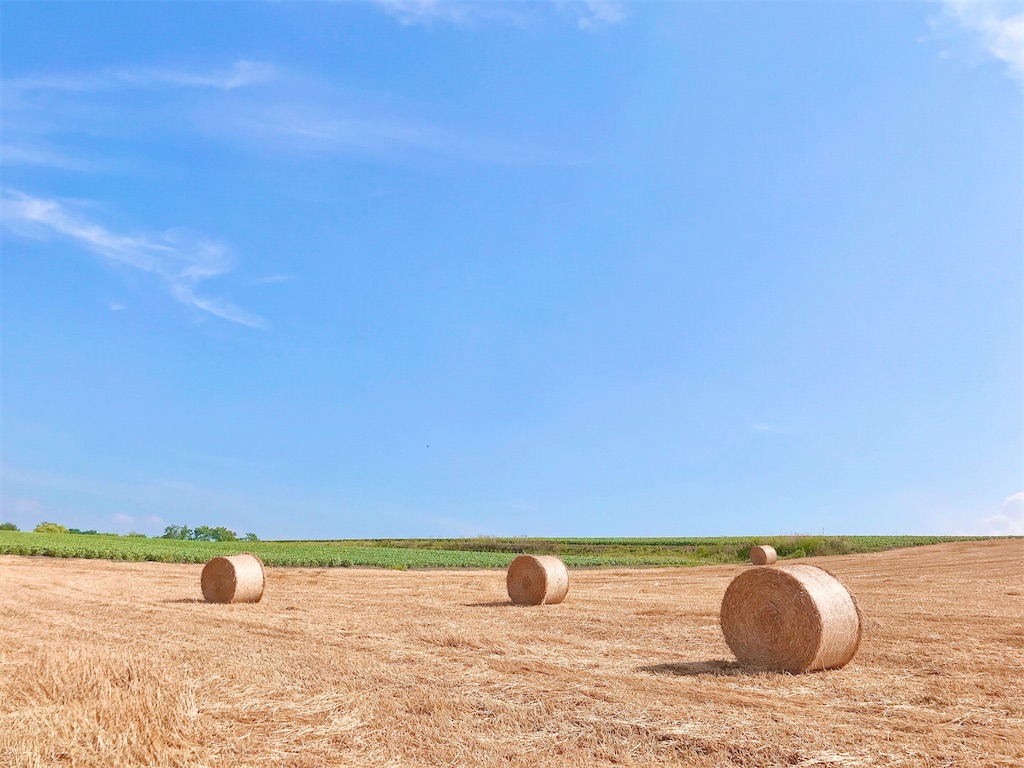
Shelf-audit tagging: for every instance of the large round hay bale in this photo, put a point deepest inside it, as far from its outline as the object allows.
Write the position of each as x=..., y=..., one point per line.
x=793, y=618
x=537, y=580
x=763, y=554
x=233, y=579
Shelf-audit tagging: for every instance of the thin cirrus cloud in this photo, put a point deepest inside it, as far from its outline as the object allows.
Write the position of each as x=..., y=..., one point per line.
x=272, y=280
x=242, y=73
x=39, y=107
x=769, y=429
x=28, y=154
x=316, y=126
x=269, y=108
x=997, y=24
x=182, y=261
x=427, y=12
x=588, y=14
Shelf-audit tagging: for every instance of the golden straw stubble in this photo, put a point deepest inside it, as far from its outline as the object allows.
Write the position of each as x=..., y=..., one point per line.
x=537, y=580
x=763, y=554
x=792, y=618
x=233, y=579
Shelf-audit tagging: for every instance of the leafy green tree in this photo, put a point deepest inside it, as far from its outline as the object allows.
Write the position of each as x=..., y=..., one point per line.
x=50, y=528
x=223, y=534
x=220, y=533
x=250, y=537
x=135, y=535
x=76, y=530
x=177, y=532
x=8, y=527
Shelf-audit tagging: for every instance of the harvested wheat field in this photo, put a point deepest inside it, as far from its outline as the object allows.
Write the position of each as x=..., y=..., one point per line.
x=123, y=664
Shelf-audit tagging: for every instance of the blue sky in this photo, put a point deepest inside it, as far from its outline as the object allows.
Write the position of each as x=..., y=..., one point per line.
x=554, y=268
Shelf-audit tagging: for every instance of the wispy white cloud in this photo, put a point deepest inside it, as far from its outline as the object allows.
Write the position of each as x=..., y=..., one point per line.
x=588, y=14
x=242, y=73
x=326, y=125
x=272, y=279
x=180, y=259
x=52, y=119
x=45, y=109
x=998, y=26
x=1009, y=521
x=427, y=12
x=21, y=154
x=768, y=428
x=597, y=13
x=283, y=111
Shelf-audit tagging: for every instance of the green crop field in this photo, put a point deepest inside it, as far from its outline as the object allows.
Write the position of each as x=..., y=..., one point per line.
x=482, y=552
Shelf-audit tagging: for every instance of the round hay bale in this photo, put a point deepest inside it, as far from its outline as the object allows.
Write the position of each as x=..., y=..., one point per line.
x=537, y=580
x=234, y=579
x=792, y=618
x=763, y=554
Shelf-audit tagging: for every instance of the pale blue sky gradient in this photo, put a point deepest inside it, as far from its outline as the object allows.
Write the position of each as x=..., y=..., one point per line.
x=430, y=269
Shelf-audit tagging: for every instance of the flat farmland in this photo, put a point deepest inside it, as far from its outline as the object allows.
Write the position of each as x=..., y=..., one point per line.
x=121, y=664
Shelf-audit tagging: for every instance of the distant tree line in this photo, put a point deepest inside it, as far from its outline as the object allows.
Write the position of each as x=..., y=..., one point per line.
x=199, y=533
x=205, y=533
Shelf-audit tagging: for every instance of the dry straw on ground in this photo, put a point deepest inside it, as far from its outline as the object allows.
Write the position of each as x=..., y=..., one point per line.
x=119, y=665
x=233, y=579
x=793, y=618
x=763, y=554
x=537, y=580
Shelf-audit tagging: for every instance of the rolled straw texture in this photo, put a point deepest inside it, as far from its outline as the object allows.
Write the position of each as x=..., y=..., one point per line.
x=537, y=580
x=763, y=554
x=234, y=579
x=793, y=618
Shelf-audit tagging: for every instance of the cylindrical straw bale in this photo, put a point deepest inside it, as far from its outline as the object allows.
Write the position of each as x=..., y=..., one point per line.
x=763, y=554
x=793, y=618
x=537, y=580
x=234, y=579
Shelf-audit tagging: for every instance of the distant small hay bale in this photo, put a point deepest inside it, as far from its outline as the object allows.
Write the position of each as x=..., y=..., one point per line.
x=763, y=554
x=233, y=579
x=792, y=618
x=537, y=580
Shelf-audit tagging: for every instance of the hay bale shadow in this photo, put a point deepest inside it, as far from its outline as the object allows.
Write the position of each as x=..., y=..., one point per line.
x=713, y=667
x=185, y=600
x=491, y=604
